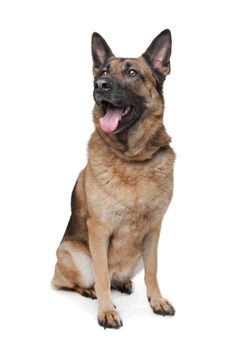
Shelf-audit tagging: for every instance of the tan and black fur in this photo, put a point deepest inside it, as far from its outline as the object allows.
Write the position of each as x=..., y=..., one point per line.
x=121, y=196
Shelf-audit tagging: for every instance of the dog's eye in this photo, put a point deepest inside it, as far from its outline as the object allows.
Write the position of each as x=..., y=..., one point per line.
x=132, y=73
x=104, y=72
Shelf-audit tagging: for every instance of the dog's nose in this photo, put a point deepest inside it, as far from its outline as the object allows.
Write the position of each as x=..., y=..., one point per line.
x=102, y=85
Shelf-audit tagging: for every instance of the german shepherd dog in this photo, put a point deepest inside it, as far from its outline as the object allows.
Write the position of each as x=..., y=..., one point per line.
x=121, y=196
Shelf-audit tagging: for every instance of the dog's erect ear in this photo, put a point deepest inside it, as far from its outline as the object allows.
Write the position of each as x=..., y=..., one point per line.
x=101, y=52
x=159, y=52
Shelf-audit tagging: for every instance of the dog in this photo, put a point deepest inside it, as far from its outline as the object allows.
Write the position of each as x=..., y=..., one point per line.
x=121, y=196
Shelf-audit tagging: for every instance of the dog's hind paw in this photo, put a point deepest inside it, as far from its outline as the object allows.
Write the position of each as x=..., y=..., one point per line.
x=86, y=292
x=123, y=287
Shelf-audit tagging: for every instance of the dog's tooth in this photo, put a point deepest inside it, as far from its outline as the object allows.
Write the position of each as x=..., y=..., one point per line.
x=127, y=110
x=124, y=111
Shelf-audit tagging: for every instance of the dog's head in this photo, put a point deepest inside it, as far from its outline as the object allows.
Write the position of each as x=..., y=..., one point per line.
x=126, y=90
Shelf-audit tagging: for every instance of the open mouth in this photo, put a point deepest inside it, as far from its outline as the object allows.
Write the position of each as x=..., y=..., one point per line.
x=115, y=116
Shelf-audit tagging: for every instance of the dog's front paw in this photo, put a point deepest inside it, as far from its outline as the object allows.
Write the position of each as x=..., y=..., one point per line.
x=162, y=307
x=109, y=319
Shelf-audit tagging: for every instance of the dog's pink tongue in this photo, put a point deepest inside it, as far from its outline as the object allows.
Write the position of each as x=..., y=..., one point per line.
x=110, y=121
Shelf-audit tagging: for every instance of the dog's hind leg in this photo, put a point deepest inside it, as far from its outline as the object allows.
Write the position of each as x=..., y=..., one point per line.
x=74, y=269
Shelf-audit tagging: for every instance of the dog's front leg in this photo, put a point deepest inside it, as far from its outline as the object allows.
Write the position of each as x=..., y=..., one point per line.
x=159, y=305
x=98, y=241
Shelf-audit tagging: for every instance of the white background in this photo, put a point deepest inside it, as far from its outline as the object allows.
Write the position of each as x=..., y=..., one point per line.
x=45, y=109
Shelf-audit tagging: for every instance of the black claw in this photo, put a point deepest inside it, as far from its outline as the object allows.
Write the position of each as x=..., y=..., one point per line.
x=163, y=312
x=101, y=323
x=118, y=324
x=105, y=324
x=173, y=311
x=159, y=312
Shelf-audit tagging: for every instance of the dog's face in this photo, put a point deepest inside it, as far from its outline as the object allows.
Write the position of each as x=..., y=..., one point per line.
x=126, y=90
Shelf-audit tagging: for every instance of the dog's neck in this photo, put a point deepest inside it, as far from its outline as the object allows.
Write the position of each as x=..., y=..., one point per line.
x=137, y=145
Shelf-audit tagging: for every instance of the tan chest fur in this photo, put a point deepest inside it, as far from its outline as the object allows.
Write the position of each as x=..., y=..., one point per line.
x=129, y=195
